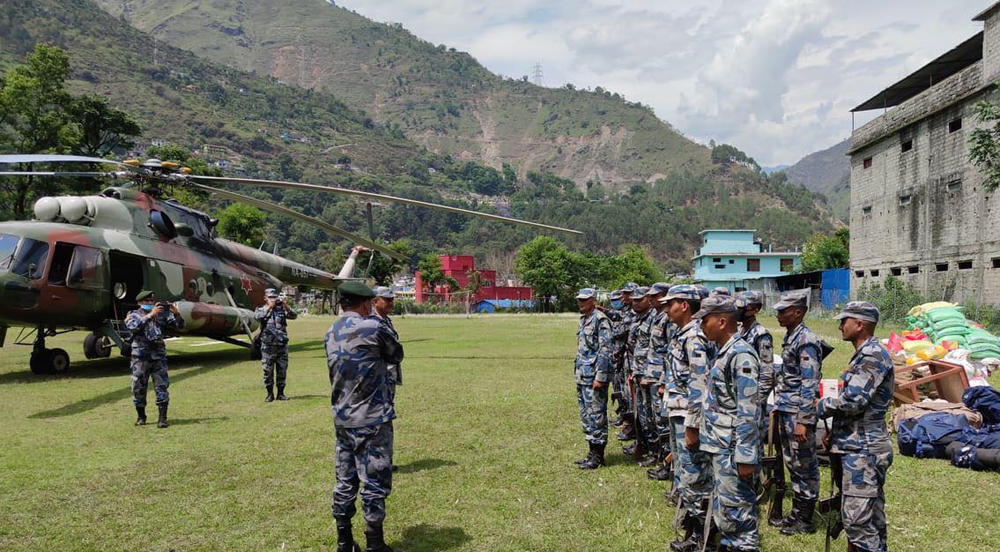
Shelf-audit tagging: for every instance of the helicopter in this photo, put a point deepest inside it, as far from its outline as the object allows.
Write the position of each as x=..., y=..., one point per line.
x=80, y=262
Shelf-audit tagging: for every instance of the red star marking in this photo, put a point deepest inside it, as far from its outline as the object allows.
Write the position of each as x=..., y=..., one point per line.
x=245, y=282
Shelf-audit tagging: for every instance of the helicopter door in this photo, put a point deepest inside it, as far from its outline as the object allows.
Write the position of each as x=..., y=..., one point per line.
x=126, y=281
x=82, y=271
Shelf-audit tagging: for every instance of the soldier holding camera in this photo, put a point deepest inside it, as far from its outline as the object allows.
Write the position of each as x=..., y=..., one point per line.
x=273, y=318
x=149, y=353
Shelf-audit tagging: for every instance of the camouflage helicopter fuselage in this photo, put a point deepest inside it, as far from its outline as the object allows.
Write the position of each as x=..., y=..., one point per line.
x=80, y=264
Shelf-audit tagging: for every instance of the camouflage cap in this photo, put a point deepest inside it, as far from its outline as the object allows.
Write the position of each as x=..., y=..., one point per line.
x=795, y=298
x=702, y=290
x=658, y=288
x=716, y=304
x=384, y=292
x=859, y=310
x=356, y=289
x=682, y=291
x=586, y=293
x=616, y=295
x=630, y=287
x=640, y=292
x=749, y=298
x=721, y=290
x=270, y=292
x=144, y=294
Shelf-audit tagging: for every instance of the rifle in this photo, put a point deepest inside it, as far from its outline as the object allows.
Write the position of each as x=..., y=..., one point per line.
x=775, y=464
x=830, y=507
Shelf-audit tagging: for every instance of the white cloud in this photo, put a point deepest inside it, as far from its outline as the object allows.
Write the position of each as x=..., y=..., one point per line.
x=776, y=78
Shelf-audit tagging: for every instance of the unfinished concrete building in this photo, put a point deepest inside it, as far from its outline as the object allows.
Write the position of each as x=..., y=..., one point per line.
x=918, y=208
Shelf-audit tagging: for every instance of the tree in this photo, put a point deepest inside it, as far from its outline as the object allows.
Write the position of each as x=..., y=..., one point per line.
x=103, y=128
x=631, y=266
x=242, y=223
x=552, y=271
x=35, y=115
x=432, y=274
x=825, y=251
x=984, y=142
x=382, y=268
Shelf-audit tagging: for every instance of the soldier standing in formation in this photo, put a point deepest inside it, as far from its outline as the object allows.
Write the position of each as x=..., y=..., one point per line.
x=273, y=317
x=360, y=349
x=754, y=333
x=149, y=353
x=659, y=341
x=639, y=348
x=859, y=441
x=689, y=358
x=729, y=429
x=797, y=388
x=592, y=368
x=621, y=321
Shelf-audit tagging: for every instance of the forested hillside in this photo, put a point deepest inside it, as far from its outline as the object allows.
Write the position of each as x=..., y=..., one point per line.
x=827, y=172
x=442, y=98
x=192, y=102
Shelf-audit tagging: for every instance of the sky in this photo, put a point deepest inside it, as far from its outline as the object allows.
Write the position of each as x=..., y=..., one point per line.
x=776, y=78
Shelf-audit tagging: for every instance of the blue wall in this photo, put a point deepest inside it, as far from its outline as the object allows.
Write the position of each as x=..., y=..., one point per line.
x=835, y=288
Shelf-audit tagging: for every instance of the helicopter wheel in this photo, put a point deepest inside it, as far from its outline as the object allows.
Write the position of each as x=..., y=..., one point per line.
x=94, y=346
x=49, y=361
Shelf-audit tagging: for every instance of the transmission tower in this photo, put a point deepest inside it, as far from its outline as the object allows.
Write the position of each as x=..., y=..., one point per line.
x=536, y=75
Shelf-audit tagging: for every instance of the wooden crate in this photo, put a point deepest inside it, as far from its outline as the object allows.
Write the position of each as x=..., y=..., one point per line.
x=949, y=379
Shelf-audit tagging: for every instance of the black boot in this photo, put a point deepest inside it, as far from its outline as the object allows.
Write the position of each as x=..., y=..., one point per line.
x=281, y=393
x=682, y=544
x=629, y=450
x=649, y=460
x=270, y=394
x=374, y=540
x=162, y=422
x=663, y=473
x=803, y=522
x=596, y=458
x=345, y=538
x=141, y=419
x=789, y=518
x=585, y=459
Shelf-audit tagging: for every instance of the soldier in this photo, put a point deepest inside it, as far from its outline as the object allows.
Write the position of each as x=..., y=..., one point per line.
x=689, y=358
x=753, y=332
x=639, y=347
x=796, y=389
x=621, y=322
x=385, y=299
x=359, y=351
x=149, y=353
x=659, y=350
x=721, y=290
x=729, y=428
x=593, y=373
x=859, y=441
x=273, y=317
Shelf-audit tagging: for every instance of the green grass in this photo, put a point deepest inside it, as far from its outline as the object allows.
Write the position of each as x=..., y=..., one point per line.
x=486, y=437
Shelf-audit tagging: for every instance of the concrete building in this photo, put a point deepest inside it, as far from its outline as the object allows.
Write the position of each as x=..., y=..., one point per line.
x=735, y=260
x=918, y=208
x=459, y=267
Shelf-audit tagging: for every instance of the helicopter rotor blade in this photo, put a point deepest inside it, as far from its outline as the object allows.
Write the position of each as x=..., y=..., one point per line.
x=278, y=209
x=370, y=196
x=57, y=174
x=42, y=158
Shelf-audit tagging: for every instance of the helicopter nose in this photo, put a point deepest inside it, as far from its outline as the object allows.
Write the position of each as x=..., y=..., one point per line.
x=15, y=294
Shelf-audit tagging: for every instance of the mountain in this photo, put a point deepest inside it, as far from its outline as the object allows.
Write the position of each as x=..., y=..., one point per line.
x=282, y=130
x=441, y=98
x=827, y=172
x=774, y=169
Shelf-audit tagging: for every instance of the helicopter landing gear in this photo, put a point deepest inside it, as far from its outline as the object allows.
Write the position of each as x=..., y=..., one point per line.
x=47, y=361
x=96, y=346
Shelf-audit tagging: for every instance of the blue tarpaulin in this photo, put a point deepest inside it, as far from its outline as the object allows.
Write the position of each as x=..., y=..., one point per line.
x=835, y=288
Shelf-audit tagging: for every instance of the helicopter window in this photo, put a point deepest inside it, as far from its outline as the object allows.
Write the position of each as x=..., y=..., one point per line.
x=8, y=243
x=87, y=268
x=60, y=263
x=209, y=289
x=30, y=259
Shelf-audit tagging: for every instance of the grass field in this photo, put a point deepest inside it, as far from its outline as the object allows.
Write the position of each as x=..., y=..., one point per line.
x=487, y=433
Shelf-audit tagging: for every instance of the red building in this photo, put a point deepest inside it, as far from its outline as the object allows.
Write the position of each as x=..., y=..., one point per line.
x=459, y=267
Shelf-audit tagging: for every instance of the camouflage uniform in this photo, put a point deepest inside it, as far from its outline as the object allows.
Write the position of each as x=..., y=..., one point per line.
x=730, y=432
x=149, y=354
x=359, y=351
x=593, y=363
x=796, y=390
x=659, y=351
x=274, y=342
x=689, y=356
x=639, y=335
x=860, y=437
x=621, y=320
x=759, y=338
x=395, y=370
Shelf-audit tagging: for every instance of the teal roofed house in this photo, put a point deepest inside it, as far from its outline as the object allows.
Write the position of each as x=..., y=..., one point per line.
x=735, y=260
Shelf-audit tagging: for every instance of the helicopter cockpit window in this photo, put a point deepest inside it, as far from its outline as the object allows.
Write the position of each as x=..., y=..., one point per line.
x=30, y=259
x=8, y=243
x=87, y=268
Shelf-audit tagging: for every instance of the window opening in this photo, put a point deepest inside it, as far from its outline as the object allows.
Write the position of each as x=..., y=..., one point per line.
x=31, y=257
x=87, y=268
x=941, y=267
x=906, y=146
x=867, y=163
x=964, y=265
x=955, y=125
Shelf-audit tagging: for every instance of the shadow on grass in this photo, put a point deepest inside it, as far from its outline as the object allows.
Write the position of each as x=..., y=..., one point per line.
x=196, y=421
x=425, y=464
x=429, y=538
x=306, y=397
x=222, y=359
